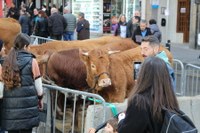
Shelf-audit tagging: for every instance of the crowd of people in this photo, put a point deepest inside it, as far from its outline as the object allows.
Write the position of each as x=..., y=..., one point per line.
x=50, y=23
x=20, y=79
x=44, y=23
x=136, y=28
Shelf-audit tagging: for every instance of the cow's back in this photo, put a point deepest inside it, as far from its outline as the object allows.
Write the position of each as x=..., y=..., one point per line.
x=87, y=44
x=66, y=69
x=9, y=28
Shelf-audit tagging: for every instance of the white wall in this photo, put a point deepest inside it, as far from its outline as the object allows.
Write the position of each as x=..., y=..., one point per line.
x=169, y=31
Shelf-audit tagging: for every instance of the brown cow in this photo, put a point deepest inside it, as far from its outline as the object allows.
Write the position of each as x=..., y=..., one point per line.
x=117, y=67
x=9, y=28
x=71, y=72
x=44, y=50
x=56, y=46
x=72, y=69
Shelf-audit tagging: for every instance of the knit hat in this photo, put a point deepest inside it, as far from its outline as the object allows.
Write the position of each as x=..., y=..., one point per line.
x=1, y=45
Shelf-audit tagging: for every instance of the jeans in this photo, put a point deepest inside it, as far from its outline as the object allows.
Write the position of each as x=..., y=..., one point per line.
x=68, y=36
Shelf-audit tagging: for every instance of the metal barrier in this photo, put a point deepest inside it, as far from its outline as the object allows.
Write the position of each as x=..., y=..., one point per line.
x=67, y=122
x=191, y=80
x=179, y=76
x=35, y=40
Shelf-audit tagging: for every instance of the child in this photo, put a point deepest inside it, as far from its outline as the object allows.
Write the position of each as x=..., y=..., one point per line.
x=110, y=127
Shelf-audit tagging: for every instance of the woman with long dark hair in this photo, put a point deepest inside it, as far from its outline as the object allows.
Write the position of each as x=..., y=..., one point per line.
x=151, y=94
x=22, y=96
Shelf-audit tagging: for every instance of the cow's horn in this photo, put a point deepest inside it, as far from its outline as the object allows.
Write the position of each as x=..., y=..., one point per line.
x=112, y=52
x=85, y=53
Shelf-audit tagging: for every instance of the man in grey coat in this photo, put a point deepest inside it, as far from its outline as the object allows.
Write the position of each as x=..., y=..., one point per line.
x=70, y=19
x=155, y=29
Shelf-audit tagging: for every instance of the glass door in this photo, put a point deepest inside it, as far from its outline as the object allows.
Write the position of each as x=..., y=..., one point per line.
x=131, y=7
x=117, y=7
x=93, y=10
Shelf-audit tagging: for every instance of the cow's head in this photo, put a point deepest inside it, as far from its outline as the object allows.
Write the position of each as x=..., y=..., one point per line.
x=97, y=64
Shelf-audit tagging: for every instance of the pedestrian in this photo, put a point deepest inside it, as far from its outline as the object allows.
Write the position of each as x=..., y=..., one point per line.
x=110, y=127
x=151, y=94
x=13, y=12
x=56, y=24
x=82, y=27
x=141, y=31
x=31, y=7
x=41, y=28
x=24, y=21
x=22, y=95
x=34, y=20
x=132, y=25
x=114, y=21
x=151, y=47
x=121, y=27
x=70, y=19
x=155, y=29
x=2, y=54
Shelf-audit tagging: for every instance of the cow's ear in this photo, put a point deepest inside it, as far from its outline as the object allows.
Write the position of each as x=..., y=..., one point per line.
x=83, y=54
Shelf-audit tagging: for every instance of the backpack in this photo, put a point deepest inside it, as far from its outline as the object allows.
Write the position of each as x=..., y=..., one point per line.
x=177, y=123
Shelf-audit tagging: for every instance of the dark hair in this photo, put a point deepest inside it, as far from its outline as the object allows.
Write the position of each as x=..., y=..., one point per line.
x=152, y=21
x=81, y=14
x=137, y=17
x=151, y=39
x=21, y=40
x=10, y=68
x=154, y=88
x=43, y=14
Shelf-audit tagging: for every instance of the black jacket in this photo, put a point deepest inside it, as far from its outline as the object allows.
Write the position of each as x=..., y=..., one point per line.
x=56, y=24
x=139, y=121
x=83, y=29
x=137, y=35
x=20, y=105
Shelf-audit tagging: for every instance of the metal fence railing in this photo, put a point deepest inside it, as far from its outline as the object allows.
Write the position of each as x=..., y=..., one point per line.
x=179, y=76
x=35, y=40
x=191, y=80
x=56, y=96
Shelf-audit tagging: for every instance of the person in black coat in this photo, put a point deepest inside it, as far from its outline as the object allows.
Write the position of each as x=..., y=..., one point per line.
x=82, y=27
x=152, y=92
x=22, y=89
x=132, y=25
x=13, y=12
x=56, y=24
x=141, y=31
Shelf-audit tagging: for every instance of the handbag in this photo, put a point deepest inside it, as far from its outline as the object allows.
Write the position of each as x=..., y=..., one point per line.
x=177, y=123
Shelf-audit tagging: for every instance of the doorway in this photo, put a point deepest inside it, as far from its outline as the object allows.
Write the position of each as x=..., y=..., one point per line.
x=183, y=18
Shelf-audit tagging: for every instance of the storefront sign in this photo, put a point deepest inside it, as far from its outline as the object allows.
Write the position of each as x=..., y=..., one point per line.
x=183, y=10
x=155, y=4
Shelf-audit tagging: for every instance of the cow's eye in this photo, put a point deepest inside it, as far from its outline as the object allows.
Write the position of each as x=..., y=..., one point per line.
x=93, y=66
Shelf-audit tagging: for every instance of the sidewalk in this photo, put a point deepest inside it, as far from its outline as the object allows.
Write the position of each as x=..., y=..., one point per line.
x=185, y=54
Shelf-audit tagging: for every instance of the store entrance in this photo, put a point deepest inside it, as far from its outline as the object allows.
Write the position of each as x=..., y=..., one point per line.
x=107, y=16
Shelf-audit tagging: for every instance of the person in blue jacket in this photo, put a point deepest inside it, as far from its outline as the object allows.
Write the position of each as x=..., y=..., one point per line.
x=150, y=46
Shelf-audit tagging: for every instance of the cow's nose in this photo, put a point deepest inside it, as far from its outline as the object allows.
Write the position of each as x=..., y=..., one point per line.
x=105, y=82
